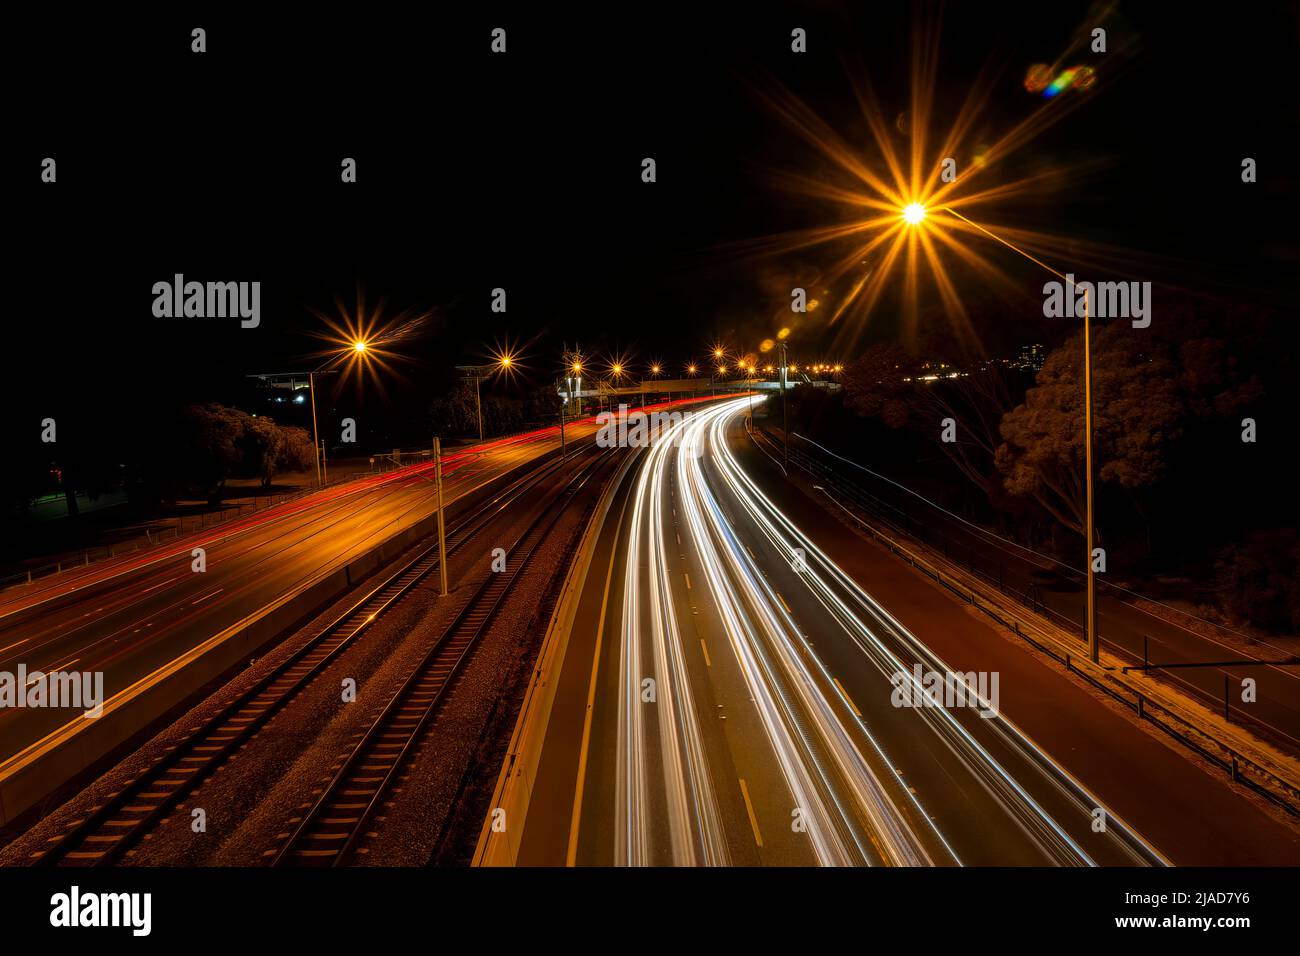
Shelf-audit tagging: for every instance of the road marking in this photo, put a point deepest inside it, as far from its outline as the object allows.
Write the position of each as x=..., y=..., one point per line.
x=571, y=857
x=847, y=697
x=749, y=808
x=206, y=596
x=42, y=675
x=783, y=604
x=705, y=648
x=688, y=580
x=160, y=584
x=12, y=646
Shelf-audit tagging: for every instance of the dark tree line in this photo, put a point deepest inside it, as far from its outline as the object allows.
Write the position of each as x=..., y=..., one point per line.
x=456, y=415
x=191, y=451
x=1174, y=478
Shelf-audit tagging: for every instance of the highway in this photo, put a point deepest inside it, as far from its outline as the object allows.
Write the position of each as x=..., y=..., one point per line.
x=1123, y=624
x=769, y=734
x=127, y=617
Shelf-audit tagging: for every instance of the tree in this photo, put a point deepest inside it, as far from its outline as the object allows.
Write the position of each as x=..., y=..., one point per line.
x=296, y=452
x=1258, y=580
x=1147, y=385
x=456, y=413
x=883, y=384
x=209, y=447
x=269, y=448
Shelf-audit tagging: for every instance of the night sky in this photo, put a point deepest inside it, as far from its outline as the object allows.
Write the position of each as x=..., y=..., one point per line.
x=523, y=171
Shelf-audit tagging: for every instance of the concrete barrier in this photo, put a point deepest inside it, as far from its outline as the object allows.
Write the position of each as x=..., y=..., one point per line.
x=514, y=786
x=80, y=745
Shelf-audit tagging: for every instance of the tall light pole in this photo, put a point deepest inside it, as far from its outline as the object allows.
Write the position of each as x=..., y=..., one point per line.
x=315, y=433
x=785, y=422
x=573, y=371
x=1093, y=648
x=357, y=348
x=504, y=362
x=442, y=526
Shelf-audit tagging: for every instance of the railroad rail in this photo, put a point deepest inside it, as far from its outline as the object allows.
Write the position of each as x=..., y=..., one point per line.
x=113, y=829
x=330, y=828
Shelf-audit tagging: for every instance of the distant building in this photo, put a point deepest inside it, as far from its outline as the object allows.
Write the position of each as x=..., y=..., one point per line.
x=1031, y=357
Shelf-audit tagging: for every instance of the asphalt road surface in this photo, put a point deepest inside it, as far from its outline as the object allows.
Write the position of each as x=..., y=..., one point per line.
x=125, y=618
x=731, y=696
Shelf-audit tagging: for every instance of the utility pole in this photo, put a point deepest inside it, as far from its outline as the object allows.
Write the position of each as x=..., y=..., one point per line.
x=1093, y=649
x=442, y=527
x=563, y=447
x=785, y=422
x=315, y=433
x=478, y=403
x=1089, y=530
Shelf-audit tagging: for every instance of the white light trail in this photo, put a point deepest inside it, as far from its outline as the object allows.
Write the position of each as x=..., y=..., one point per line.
x=838, y=775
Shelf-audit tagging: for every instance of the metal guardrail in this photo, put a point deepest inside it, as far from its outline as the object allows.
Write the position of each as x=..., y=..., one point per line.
x=1240, y=768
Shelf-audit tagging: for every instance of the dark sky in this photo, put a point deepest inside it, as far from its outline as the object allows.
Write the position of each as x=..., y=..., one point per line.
x=522, y=171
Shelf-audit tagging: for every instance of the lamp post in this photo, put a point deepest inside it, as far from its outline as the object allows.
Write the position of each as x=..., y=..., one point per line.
x=358, y=348
x=574, y=371
x=785, y=422
x=479, y=373
x=315, y=433
x=912, y=216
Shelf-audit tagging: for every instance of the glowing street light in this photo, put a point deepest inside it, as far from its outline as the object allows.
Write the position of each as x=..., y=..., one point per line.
x=913, y=213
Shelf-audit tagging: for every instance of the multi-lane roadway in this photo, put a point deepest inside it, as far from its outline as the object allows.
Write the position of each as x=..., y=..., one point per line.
x=731, y=695
x=128, y=617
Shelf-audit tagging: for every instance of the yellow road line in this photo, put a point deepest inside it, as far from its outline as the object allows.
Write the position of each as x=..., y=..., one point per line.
x=783, y=604
x=749, y=807
x=571, y=857
x=704, y=647
x=847, y=697
x=688, y=580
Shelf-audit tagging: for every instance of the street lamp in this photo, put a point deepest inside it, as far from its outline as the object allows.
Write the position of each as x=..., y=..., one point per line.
x=913, y=214
x=503, y=363
x=785, y=422
x=574, y=371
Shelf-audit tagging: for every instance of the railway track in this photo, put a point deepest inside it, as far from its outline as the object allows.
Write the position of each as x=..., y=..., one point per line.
x=111, y=830
x=330, y=828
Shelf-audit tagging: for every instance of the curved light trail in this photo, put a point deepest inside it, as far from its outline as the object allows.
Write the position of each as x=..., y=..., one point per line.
x=834, y=762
